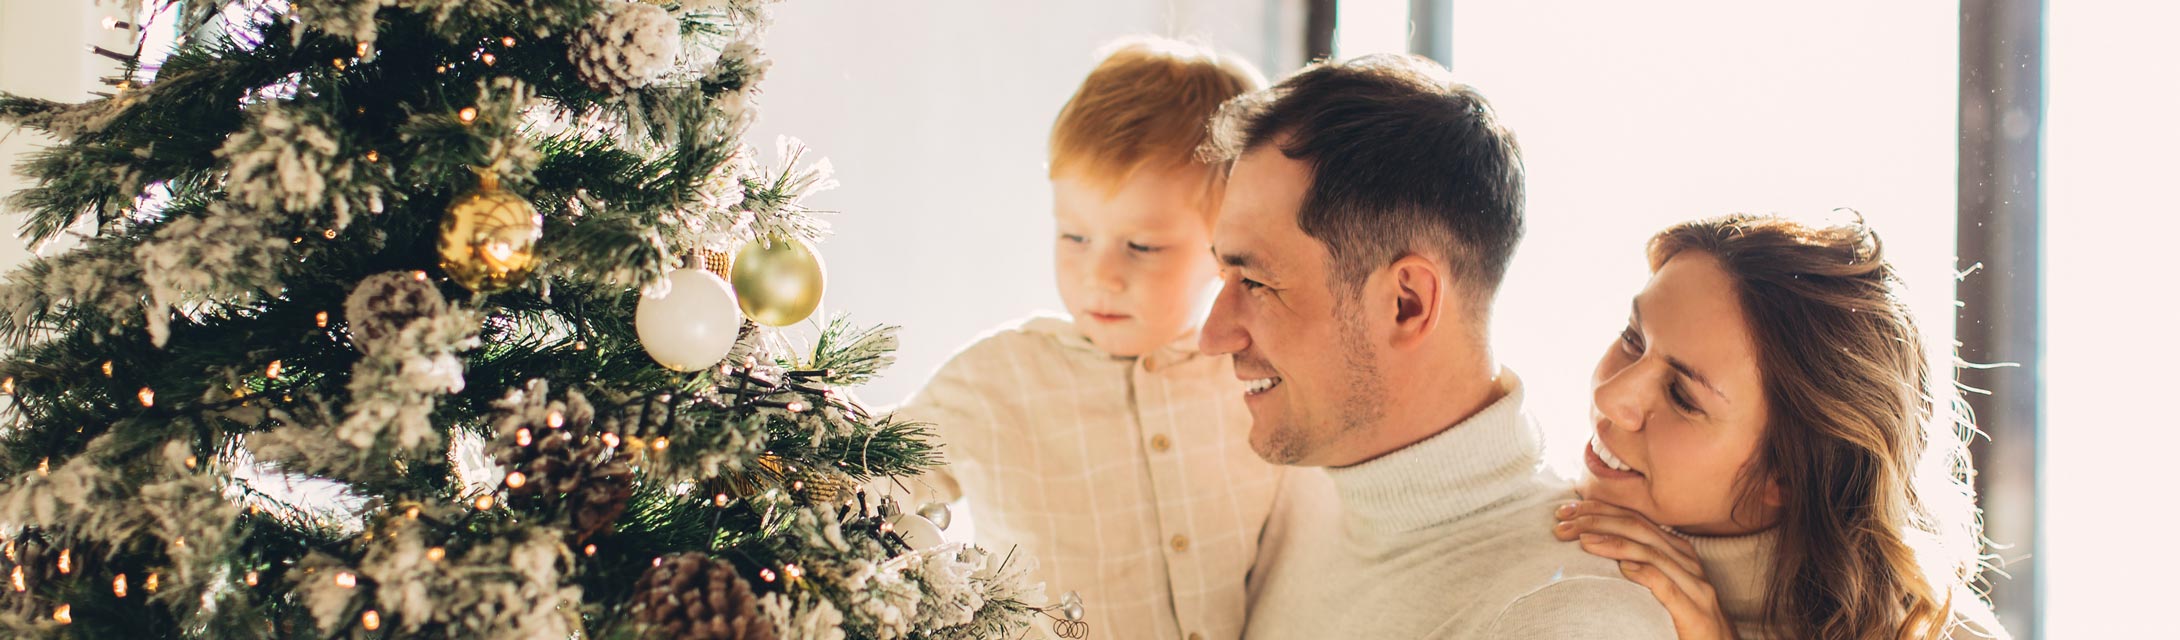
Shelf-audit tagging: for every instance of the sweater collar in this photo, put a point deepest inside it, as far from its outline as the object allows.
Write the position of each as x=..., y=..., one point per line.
x=1739, y=568
x=1479, y=462
x=1064, y=331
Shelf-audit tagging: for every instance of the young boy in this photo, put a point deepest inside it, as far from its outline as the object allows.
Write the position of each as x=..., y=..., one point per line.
x=1104, y=445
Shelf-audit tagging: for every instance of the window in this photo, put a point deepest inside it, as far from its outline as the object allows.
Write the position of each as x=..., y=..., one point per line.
x=1634, y=116
x=2109, y=311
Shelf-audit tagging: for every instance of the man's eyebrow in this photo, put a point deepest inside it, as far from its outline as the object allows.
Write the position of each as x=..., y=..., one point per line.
x=1238, y=260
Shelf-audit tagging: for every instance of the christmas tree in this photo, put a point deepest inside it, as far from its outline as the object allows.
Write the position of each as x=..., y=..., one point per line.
x=413, y=318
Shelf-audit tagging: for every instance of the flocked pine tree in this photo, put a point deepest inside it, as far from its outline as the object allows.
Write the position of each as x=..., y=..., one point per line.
x=397, y=318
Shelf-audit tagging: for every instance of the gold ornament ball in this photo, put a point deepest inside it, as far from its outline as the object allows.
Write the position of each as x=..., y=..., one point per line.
x=778, y=283
x=488, y=239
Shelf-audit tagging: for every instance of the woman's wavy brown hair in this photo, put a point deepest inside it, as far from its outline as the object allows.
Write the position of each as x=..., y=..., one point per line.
x=1879, y=535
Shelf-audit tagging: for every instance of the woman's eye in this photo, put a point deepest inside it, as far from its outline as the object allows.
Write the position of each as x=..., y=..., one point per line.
x=1074, y=237
x=1679, y=395
x=1631, y=341
x=1251, y=285
x=1142, y=248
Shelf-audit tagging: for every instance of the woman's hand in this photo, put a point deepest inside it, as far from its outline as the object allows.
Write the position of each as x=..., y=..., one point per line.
x=1661, y=562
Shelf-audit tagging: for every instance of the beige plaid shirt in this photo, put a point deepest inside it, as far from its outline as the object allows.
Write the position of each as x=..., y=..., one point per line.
x=1130, y=480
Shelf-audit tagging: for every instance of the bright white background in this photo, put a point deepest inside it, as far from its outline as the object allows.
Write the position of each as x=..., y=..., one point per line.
x=2111, y=222
x=1635, y=116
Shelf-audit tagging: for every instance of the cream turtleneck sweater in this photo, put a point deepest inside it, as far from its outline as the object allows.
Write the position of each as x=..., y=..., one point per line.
x=1739, y=569
x=1447, y=538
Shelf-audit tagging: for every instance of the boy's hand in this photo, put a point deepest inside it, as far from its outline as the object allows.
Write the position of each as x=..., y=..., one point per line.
x=1659, y=561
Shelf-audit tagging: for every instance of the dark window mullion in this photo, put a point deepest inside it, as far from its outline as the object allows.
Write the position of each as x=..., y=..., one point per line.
x=2001, y=320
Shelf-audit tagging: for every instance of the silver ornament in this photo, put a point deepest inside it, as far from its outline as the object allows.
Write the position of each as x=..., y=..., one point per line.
x=1071, y=606
x=938, y=513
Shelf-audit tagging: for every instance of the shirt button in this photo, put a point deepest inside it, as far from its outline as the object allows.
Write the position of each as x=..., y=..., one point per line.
x=1180, y=543
x=1161, y=443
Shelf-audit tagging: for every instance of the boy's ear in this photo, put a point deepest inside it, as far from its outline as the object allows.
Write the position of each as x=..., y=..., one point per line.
x=1419, y=292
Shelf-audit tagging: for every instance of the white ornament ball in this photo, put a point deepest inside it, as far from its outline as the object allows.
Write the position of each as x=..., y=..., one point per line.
x=693, y=324
x=917, y=531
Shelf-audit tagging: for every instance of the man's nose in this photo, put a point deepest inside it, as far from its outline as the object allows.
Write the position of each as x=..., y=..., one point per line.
x=1222, y=333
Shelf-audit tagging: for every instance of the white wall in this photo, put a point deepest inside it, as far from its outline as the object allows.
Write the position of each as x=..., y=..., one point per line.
x=42, y=56
x=935, y=115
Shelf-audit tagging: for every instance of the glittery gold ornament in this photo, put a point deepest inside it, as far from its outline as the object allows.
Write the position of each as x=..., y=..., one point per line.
x=488, y=239
x=769, y=471
x=778, y=282
x=717, y=262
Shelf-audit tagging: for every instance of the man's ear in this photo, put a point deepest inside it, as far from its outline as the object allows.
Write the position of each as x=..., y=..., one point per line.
x=1419, y=296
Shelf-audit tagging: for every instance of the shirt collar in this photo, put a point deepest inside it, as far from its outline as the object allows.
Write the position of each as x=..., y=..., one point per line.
x=1064, y=331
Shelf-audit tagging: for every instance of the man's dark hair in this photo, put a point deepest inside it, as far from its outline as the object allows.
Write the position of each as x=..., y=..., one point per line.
x=1403, y=160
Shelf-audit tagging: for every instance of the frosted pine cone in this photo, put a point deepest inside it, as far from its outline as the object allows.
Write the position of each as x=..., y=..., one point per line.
x=385, y=304
x=625, y=46
x=689, y=596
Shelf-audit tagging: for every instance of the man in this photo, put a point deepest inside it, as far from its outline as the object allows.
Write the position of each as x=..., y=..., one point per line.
x=1371, y=211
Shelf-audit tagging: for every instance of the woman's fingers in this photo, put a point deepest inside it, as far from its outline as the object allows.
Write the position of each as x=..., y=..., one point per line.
x=1693, y=618
x=1664, y=588
x=1577, y=520
x=1662, y=562
x=1692, y=587
x=1594, y=507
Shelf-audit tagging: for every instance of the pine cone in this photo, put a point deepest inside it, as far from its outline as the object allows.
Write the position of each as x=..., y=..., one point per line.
x=386, y=303
x=689, y=596
x=566, y=469
x=625, y=46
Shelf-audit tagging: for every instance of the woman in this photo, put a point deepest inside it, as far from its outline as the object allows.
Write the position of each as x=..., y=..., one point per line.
x=1773, y=458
